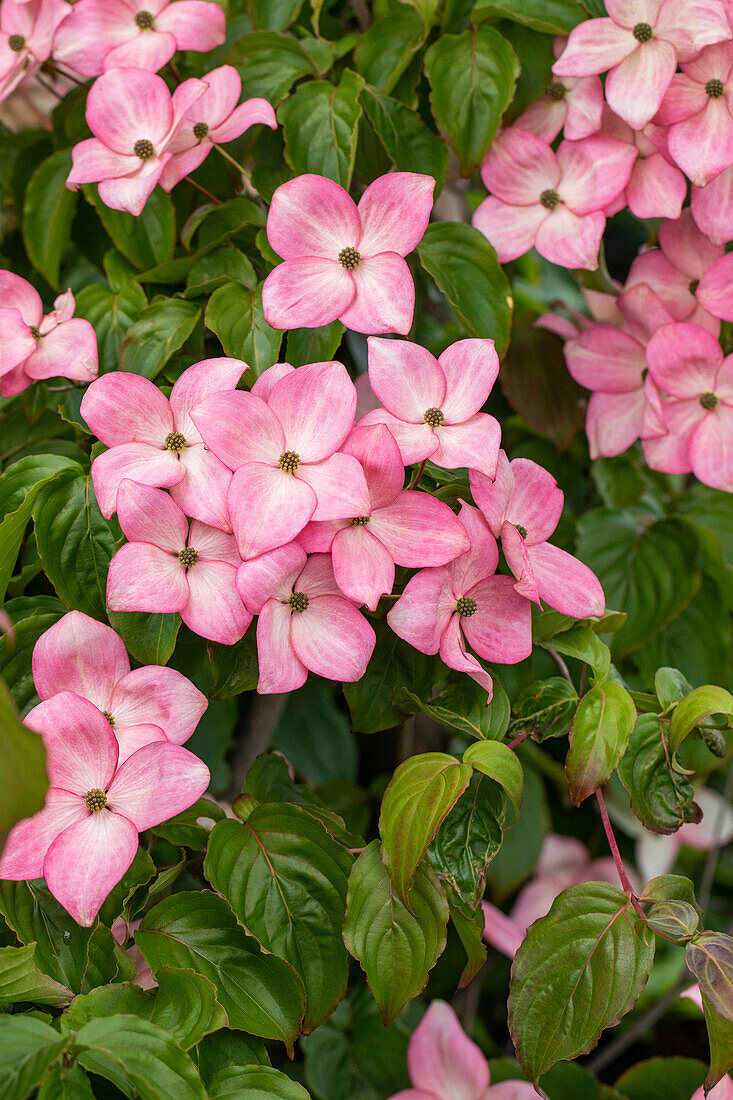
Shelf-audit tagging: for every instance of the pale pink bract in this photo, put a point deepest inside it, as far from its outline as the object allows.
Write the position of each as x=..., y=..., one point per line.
x=573, y=105
x=656, y=187
x=27, y=31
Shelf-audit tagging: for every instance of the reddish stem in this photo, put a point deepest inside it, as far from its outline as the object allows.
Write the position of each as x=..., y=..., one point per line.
x=625, y=883
x=420, y=472
x=209, y=196
x=518, y=740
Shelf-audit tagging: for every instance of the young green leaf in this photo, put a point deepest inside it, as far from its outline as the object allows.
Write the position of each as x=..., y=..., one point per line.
x=661, y=797
x=699, y=704
x=598, y=738
x=673, y=919
x=501, y=764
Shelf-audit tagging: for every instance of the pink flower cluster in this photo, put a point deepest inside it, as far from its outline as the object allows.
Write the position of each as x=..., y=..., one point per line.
x=115, y=759
x=281, y=507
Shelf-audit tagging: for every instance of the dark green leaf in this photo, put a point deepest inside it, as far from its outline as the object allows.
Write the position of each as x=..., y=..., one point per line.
x=467, y=841
x=255, y=1083
x=48, y=212
x=184, y=829
x=147, y=239
x=672, y=1078
x=598, y=739
x=269, y=64
x=217, y=268
x=314, y=734
x=108, y=1000
x=234, y=668
x=545, y=708
x=406, y=140
x=186, y=1006
x=211, y=226
x=160, y=331
x=313, y=345
x=321, y=125
x=150, y=638
x=111, y=315
x=393, y=664
x=387, y=47
x=583, y=644
x=66, y=1083
x=27, y=1048
x=462, y=705
x=235, y=315
x=720, y=1039
x=550, y=16
x=661, y=796
x=23, y=764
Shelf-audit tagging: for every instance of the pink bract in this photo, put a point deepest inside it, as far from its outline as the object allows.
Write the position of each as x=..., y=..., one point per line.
x=712, y=207
x=155, y=442
x=639, y=45
x=85, y=838
x=431, y=406
x=166, y=567
x=87, y=657
x=522, y=506
x=305, y=623
x=215, y=117
x=283, y=441
x=572, y=105
x=27, y=30
x=442, y=609
x=656, y=187
x=34, y=346
x=342, y=260
x=140, y=34
x=551, y=201
x=402, y=527
x=133, y=117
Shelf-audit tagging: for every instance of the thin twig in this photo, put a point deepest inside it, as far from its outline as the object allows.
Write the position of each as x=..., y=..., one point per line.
x=625, y=881
x=414, y=484
x=209, y=196
x=560, y=664
x=361, y=11
x=518, y=740
x=54, y=69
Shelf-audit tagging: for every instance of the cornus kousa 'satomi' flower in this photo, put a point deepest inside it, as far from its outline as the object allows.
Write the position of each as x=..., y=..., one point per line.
x=431, y=406
x=305, y=623
x=154, y=441
x=442, y=609
x=687, y=364
x=33, y=346
x=282, y=441
x=133, y=118
x=402, y=527
x=712, y=207
x=522, y=506
x=152, y=703
x=214, y=118
x=166, y=567
x=551, y=201
x=137, y=34
x=445, y=1065
x=27, y=30
x=640, y=44
x=85, y=838
x=656, y=187
x=342, y=260
x=572, y=105
x=697, y=109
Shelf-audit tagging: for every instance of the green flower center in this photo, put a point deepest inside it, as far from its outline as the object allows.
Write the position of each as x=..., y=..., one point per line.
x=550, y=199
x=144, y=20
x=360, y=521
x=466, y=606
x=642, y=32
x=709, y=400
x=433, y=417
x=289, y=461
x=144, y=149
x=175, y=442
x=188, y=556
x=35, y=332
x=714, y=88
x=95, y=800
x=557, y=90
x=16, y=42
x=200, y=130
x=521, y=530
x=298, y=602
x=109, y=718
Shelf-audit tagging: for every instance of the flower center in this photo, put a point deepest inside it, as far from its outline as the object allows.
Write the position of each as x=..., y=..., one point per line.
x=549, y=199
x=693, y=286
x=644, y=373
x=188, y=556
x=144, y=20
x=714, y=88
x=289, y=461
x=16, y=42
x=298, y=602
x=557, y=90
x=144, y=149
x=521, y=531
x=466, y=606
x=175, y=442
x=95, y=800
x=200, y=130
x=109, y=718
x=35, y=332
x=709, y=400
x=642, y=32
x=433, y=417
x=349, y=258
x=360, y=521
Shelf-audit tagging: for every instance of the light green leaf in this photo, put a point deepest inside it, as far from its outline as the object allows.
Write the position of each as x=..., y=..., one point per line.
x=48, y=211
x=254, y=1083
x=549, y=16
x=675, y=920
x=584, y=644
x=21, y=980
x=186, y=1006
x=501, y=764
x=699, y=704
x=598, y=739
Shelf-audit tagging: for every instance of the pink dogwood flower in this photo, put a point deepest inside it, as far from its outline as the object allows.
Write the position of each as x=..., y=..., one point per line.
x=133, y=117
x=402, y=527
x=342, y=260
x=656, y=187
x=155, y=442
x=166, y=567
x=87, y=657
x=572, y=105
x=85, y=837
x=551, y=201
x=27, y=31
x=305, y=623
x=712, y=207
x=214, y=118
x=641, y=43
x=687, y=363
x=34, y=346
x=431, y=406
x=697, y=108
x=715, y=293
x=444, y=1064
x=282, y=440
x=522, y=506
x=137, y=34
x=443, y=608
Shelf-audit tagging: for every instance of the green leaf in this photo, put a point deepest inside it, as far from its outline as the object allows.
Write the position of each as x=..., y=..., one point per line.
x=393, y=664
x=269, y=64
x=549, y=16
x=255, y=1083
x=21, y=980
x=651, y=572
x=150, y=638
x=545, y=708
x=466, y=270
x=321, y=127
x=147, y=239
x=235, y=315
x=75, y=541
x=419, y=795
x=661, y=796
x=234, y=668
x=710, y=958
x=699, y=704
x=720, y=1040
x=131, y=1052
x=671, y=1078
x=186, y=1006
x=260, y=993
x=285, y=879
x=462, y=705
x=470, y=931
x=578, y=971
x=675, y=920
x=314, y=733
x=217, y=268
x=62, y=1083
x=184, y=829
x=670, y=686
x=396, y=946
x=669, y=888
x=500, y=763
x=582, y=643
x=598, y=739
x=16, y=653
x=274, y=15
x=467, y=841
x=111, y=314
x=313, y=345
x=212, y=226
x=48, y=211
x=27, y=1048
x=538, y=386
x=23, y=764
x=160, y=331
x=387, y=47
x=409, y=144
x=472, y=77
x=108, y=1000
